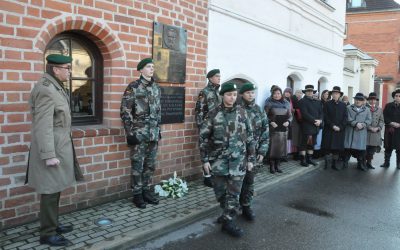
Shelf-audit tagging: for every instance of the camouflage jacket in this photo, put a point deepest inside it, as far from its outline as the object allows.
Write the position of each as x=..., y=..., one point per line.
x=259, y=122
x=141, y=110
x=208, y=100
x=226, y=141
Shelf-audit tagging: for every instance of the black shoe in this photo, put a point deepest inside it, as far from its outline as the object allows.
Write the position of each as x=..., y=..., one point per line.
x=272, y=167
x=284, y=159
x=309, y=160
x=248, y=213
x=55, y=240
x=385, y=165
x=220, y=219
x=231, y=228
x=138, y=201
x=303, y=161
x=345, y=164
x=63, y=229
x=207, y=182
x=149, y=198
x=370, y=166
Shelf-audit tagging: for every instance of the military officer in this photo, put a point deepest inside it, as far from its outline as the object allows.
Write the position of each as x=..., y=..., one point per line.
x=207, y=101
x=227, y=150
x=259, y=123
x=141, y=117
x=52, y=164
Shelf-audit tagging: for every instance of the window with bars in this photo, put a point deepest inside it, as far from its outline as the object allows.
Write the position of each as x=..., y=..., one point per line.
x=85, y=86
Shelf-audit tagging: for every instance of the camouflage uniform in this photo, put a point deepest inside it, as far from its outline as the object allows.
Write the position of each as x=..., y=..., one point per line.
x=141, y=115
x=208, y=100
x=260, y=132
x=227, y=143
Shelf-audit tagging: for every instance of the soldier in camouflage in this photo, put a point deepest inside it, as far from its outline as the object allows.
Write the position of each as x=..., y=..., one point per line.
x=227, y=150
x=259, y=122
x=208, y=100
x=141, y=116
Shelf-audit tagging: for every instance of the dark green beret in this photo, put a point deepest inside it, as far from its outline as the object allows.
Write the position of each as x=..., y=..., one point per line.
x=247, y=87
x=143, y=63
x=212, y=73
x=227, y=87
x=58, y=59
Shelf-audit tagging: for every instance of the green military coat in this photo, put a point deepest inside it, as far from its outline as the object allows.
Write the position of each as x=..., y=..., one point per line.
x=208, y=100
x=51, y=137
x=226, y=141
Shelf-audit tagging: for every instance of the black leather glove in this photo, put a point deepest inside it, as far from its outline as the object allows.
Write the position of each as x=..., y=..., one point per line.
x=208, y=181
x=132, y=140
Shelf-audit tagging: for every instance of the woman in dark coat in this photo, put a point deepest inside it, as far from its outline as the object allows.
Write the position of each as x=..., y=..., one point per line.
x=279, y=116
x=335, y=120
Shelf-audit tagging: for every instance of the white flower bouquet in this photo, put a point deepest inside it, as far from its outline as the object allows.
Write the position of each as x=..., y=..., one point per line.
x=174, y=187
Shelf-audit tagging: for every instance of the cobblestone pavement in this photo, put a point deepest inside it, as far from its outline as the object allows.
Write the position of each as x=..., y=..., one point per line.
x=131, y=225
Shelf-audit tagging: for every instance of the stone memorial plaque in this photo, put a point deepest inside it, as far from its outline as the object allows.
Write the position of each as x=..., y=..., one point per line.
x=172, y=105
x=169, y=53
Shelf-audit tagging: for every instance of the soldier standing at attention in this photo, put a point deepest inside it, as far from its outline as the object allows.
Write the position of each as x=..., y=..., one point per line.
x=227, y=151
x=207, y=101
x=259, y=122
x=52, y=164
x=141, y=116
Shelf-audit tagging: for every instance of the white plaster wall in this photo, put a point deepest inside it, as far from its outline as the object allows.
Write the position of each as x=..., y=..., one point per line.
x=367, y=79
x=266, y=41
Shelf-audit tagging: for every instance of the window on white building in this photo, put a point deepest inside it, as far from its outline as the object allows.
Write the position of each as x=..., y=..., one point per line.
x=356, y=3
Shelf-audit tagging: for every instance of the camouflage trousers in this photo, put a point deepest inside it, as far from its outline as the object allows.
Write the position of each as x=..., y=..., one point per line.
x=246, y=195
x=143, y=157
x=227, y=189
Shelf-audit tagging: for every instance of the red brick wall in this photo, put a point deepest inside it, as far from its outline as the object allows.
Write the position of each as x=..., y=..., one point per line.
x=377, y=32
x=123, y=33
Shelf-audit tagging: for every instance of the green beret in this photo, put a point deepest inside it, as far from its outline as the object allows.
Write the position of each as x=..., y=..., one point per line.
x=247, y=87
x=212, y=73
x=227, y=87
x=58, y=59
x=143, y=63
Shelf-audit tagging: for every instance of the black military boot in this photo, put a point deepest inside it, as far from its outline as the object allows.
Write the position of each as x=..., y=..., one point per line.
x=386, y=164
x=272, y=166
x=303, y=161
x=248, y=213
x=277, y=163
x=230, y=227
x=149, y=198
x=138, y=201
x=309, y=160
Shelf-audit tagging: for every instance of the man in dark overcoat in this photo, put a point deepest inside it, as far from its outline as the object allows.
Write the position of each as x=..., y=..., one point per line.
x=391, y=115
x=312, y=119
x=335, y=120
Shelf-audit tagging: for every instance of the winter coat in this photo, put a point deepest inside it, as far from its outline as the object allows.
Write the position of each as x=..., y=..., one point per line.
x=357, y=138
x=391, y=113
x=310, y=110
x=51, y=138
x=335, y=114
x=375, y=138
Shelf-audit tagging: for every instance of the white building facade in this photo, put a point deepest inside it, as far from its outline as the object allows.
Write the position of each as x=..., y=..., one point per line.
x=282, y=42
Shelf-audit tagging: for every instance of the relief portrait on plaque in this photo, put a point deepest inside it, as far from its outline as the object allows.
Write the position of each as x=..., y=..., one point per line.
x=169, y=53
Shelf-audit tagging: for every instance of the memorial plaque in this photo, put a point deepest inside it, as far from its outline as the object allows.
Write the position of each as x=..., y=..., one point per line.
x=169, y=53
x=172, y=105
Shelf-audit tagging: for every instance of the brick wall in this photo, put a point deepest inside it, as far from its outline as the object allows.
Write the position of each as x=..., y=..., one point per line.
x=377, y=32
x=123, y=32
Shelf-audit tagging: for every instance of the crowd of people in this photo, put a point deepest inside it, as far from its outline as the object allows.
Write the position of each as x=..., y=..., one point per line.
x=235, y=136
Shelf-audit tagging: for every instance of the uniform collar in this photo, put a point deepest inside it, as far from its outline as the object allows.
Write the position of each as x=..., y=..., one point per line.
x=228, y=109
x=146, y=82
x=213, y=86
x=248, y=104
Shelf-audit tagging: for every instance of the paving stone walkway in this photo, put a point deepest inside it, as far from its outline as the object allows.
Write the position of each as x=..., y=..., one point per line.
x=131, y=225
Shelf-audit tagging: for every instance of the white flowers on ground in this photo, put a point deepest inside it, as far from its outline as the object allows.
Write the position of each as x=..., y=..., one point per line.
x=174, y=187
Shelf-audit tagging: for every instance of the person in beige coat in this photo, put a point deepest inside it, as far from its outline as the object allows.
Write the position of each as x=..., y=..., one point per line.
x=52, y=164
x=374, y=137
